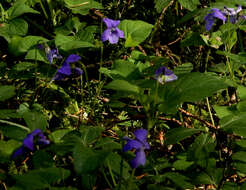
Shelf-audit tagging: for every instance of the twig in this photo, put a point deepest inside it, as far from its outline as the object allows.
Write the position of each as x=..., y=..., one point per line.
x=79, y=5
x=142, y=50
x=163, y=13
x=175, y=120
x=198, y=118
x=179, y=38
x=97, y=12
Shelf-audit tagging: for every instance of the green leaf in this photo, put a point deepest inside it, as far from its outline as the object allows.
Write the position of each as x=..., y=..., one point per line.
x=223, y=111
x=214, y=40
x=69, y=26
x=160, y=4
x=158, y=187
x=243, y=186
x=42, y=159
x=189, y=4
x=18, y=45
x=184, y=68
x=35, y=120
x=4, y=32
x=88, y=181
x=122, y=69
x=82, y=6
x=107, y=144
x=7, y=148
x=180, y=180
x=135, y=31
x=229, y=34
x=241, y=143
x=122, y=85
x=7, y=114
x=57, y=135
x=13, y=132
x=199, y=151
x=35, y=54
x=18, y=26
x=234, y=124
x=87, y=34
x=68, y=43
x=87, y=160
x=240, y=166
x=239, y=58
x=241, y=106
x=186, y=89
x=230, y=186
x=240, y=156
x=6, y=92
x=173, y=136
x=241, y=91
x=90, y=133
x=20, y=8
x=23, y=66
x=41, y=178
x=182, y=164
x=204, y=178
x=114, y=160
x=192, y=39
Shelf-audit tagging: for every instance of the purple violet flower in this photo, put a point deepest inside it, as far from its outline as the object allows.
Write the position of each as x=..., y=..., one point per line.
x=65, y=70
x=112, y=33
x=232, y=13
x=163, y=75
x=210, y=18
x=228, y=13
x=35, y=137
x=140, y=144
x=51, y=54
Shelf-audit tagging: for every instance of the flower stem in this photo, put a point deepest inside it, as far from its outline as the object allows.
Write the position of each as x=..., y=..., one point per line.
x=209, y=110
x=105, y=177
x=43, y=9
x=133, y=173
x=111, y=173
x=15, y=124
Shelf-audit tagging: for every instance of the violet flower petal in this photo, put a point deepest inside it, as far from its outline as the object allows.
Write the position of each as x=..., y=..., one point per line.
x=209, y=21
x=28, y=142
x=141, y=134
x=132, y=144
x=111, y=23
x=163, y=74
x=65, y=69
x=20, y=151
x=77, y=71
x=72, y=58
x=51, y=54
x=113, y=38
x=59, y=76
x=140, y=159
x=218, y=14
x=210, y=18
x=105, y=35
x=120, y=33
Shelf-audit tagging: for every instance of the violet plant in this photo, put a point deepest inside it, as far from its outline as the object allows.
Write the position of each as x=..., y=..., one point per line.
x=32, y=139
x=164, y=75
x=227, y=13
x=112, y=33
x=65, y=70
x=139, y=144
x=193, y=116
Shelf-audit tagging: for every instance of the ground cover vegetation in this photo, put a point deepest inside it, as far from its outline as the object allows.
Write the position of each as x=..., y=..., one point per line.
x=122, y=94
